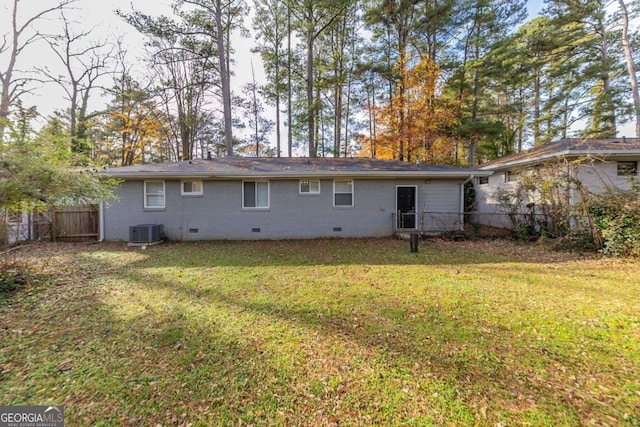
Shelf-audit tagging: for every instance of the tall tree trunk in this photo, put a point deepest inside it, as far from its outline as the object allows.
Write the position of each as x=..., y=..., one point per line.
x=7, y=76
x=289, y=88
x=631, y=66
x=347, y=114
x=277, y=88
x=317, y=122
x=311, y=110
x=473, y=143
x=536, y=108
x=254, y=100
x=224, y=81
x=604, y=123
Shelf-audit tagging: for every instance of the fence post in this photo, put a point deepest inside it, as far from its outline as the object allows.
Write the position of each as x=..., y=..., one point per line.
x=413, y=241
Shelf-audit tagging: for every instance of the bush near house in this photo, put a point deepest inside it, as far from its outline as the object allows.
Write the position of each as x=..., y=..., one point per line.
x=540, y=206
x=616, y=216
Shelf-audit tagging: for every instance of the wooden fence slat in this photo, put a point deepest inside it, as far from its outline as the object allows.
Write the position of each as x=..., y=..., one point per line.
x=76, y=222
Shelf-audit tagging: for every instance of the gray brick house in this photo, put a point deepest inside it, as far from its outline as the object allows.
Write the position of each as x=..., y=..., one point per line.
x=285, y=198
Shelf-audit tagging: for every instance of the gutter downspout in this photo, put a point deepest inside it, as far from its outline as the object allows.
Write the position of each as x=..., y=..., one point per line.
x=101, y=221
x=462, y=200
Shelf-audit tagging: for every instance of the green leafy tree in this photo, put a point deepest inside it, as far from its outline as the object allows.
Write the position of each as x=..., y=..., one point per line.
x=132, y=129
x=599, y=60
x=37, y=170
x=312, y=19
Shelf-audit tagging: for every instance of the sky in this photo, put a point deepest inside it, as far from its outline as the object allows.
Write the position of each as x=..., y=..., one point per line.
x=99, y=16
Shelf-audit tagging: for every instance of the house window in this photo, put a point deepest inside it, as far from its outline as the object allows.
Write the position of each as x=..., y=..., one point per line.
x=483, y=180
x=191, y=188
x=310, y=186
x=627, y=168
x=154, y=194
x=509, y=176
x=343, y=193
x=255, y=194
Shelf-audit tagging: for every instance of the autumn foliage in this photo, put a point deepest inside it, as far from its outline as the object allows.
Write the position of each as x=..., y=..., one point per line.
x=412, y=125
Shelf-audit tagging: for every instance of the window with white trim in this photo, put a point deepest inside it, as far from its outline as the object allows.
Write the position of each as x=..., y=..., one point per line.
x=342, y=193
x=483, y=180
x=255, y=194
x=628, y=168
x=154, y=195
x=191, y=188
x=309, y=186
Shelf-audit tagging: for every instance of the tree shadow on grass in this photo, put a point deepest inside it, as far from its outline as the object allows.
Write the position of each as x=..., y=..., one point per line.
x=65, y=345
x=476, y=360
x=136, y=365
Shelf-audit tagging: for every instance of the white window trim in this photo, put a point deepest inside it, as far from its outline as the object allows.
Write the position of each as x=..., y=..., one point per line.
x=309, y=193
x=257, y=208
x=353, y=191
x=191, y=193
x=145, y=194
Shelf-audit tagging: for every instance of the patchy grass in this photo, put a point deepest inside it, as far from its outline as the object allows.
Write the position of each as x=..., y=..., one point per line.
x=323, y=332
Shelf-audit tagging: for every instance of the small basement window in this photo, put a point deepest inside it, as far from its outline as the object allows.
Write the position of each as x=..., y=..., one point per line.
x=627, y=168
x=191, y=188
x=310, y=186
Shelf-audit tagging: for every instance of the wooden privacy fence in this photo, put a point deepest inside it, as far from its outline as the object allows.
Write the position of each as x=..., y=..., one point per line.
x=66, y=223
x=75, y=223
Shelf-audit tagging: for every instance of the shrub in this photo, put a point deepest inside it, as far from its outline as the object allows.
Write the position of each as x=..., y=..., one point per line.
x=616, y=216
x=12, y=277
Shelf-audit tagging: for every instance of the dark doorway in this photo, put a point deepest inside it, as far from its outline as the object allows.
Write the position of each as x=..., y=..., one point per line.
x=406, y=206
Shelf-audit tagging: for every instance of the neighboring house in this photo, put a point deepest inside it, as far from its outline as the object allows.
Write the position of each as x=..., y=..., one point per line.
x=592, y=164
x=286, y=198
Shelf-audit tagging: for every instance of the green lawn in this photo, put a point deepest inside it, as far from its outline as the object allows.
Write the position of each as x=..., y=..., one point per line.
x=324, y=332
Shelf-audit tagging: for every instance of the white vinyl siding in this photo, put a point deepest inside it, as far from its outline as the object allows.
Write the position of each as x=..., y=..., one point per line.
x=154, y=195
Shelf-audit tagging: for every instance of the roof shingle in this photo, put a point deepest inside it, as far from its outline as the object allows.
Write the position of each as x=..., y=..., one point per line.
x=569, y=147
x=280, y=167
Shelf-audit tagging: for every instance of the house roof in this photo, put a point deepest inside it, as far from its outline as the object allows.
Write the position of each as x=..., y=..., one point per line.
x=569, y=148
x=297, y=167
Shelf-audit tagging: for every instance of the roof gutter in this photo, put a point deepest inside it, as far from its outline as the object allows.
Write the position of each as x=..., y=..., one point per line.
x=101, y=222
x=295, y=175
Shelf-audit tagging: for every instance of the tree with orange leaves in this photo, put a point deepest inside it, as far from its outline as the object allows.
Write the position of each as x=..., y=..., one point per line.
x=410, y=126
